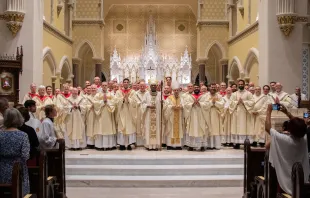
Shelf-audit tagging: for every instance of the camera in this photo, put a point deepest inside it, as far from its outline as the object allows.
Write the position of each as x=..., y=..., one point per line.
x=276, y=107
x=306, y=115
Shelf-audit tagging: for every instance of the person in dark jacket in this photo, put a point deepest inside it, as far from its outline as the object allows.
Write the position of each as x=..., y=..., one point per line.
x=33, y=139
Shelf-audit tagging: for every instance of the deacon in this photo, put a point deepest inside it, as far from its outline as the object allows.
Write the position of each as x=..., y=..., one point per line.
x=212, y=111
x=194, y=121
x=281, y=97
x=31, y=94
x=104, y=132
x=151, y=118
x=75, y=136
x=174, y=116
x=91, y=118
x=241, y=104
x=140, y=100
x=227, y=118
x=42, y=100
x=261, y=102
x=126, y=108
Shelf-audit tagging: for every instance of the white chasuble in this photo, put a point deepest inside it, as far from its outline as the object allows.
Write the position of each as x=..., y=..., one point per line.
x=141, y=99
x=63, y=109
x=41, y=103
x=151, y=120
x=259, y=109
x=29, y=96
x=105, y=131
x=226, y=120
x=126, y=108
x=284, y=99
x=212, y=113
x=174, y=121
x=90, y=119
x=195, y=123
x=242, y=123
x=75, y=128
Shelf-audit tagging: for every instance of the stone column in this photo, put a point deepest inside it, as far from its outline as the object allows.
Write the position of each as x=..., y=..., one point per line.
x=230, y=6
x=202, y=69
x=75, y=70
x=54, y=83
x=224, y=63
x=98, y=66
x=71, y=6
x=280, y=54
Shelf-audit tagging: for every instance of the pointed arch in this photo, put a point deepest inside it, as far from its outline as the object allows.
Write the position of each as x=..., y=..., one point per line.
x=219, y=49
x=64, y=62
x=50, y=58
x=235, y=63
x=253, y=55
x=81, y=47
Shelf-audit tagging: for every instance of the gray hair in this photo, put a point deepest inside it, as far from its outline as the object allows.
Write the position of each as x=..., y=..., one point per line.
x=4, y=104
x=12, y=118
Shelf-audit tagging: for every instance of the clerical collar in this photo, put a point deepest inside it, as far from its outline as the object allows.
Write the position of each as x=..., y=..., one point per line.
x=52, y=119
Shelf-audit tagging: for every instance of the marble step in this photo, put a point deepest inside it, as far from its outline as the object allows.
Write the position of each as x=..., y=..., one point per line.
x=95, y=159
x=154, y=170
x=155, y=181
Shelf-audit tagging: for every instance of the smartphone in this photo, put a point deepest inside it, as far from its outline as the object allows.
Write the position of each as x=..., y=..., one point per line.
x=306, y=115
x=275, y=107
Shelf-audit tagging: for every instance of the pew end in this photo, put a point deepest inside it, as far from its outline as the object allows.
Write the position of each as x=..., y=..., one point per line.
x=30, y=196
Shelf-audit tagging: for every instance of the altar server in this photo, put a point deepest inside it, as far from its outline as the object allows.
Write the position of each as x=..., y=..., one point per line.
x=48, y=138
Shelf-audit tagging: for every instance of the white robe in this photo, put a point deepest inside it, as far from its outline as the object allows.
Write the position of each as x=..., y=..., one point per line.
x=63, y=109
x=212, y=114
x=1, y=121
x=140, y=99
x=90, y=119
x=27, y=97
x=226, y=116
x=241, y=124
x=175, y=121
x=125, y=121
x=195, y=124
x=41, y=104
x=284, y=99
x=260, y=108
x=284, y=152
x=151, y=120
x=48, y=137
x=35, y=124
x=294, y=99
x=75, y=136
x=104, y=130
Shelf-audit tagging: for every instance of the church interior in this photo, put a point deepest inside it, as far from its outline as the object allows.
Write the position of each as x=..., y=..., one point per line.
x=69, y=42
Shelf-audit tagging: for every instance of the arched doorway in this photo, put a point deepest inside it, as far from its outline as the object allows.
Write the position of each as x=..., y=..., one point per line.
x=197, y=80
x=251, y=66
x=49, y=66
x=213, y=66
x=87, y=66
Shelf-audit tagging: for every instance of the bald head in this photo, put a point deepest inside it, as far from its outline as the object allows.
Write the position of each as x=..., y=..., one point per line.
x=33, y=88
x=278, y=87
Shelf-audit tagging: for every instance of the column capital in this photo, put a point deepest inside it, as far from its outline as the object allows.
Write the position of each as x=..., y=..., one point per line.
x=202, y=61
x=76, y=61
x=97, y=60
x=224, y=61
x=54, y=78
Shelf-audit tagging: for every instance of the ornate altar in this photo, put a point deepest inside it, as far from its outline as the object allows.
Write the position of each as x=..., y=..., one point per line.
x=151, y=64
x=10, y=69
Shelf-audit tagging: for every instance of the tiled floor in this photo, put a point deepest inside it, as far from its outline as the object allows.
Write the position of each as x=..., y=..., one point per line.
x=154, y=192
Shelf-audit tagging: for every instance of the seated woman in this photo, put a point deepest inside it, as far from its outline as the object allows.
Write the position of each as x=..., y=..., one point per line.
x=48, y=137
x=286, y=149
x=33, y=139
x=14, y=147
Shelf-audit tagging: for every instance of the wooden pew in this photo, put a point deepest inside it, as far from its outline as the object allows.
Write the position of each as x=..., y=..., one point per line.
x=253, y=166
x=40, y=183
x=56, y=167
x=300, y=188
x=14, y=190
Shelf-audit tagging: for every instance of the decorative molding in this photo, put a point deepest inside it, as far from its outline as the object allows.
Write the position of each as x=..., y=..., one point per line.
x=97, y=60
x=2, y=17
x=241, y=10
x=302, y=19
x=305, y=70
x=57, y=33
x=202, y=61
x=286, y=23
x=59, y=8
x=244, y=33
x=14, y=21
x=76, y=61
x=88, y=22
x=209, y=23
x=224, y=61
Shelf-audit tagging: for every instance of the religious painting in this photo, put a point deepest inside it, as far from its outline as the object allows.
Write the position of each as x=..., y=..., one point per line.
x=7, y=83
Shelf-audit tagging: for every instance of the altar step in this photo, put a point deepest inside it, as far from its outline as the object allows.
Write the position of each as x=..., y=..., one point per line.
x=154, y=170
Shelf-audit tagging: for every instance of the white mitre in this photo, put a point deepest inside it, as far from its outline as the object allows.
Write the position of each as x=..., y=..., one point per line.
x=153, y=82
x=175, y=85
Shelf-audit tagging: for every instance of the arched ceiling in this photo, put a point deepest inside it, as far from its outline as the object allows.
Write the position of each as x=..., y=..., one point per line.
x=192, y=3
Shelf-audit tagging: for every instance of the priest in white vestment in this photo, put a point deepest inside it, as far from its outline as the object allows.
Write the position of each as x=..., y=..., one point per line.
x=48, y=138
x=297, y=97
x=90, y=117
x=75, y=136
x=241, y=104
x=287, y=149
x=261, y=102
x=30, y=95
x=281, y=97
x=195, y=124
x=150, y=116
x=212, y=111
x=174, y=116
x=104, y=129
x=42, y=100
x=226, y=116
x=140, y=100
x=126, y=108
